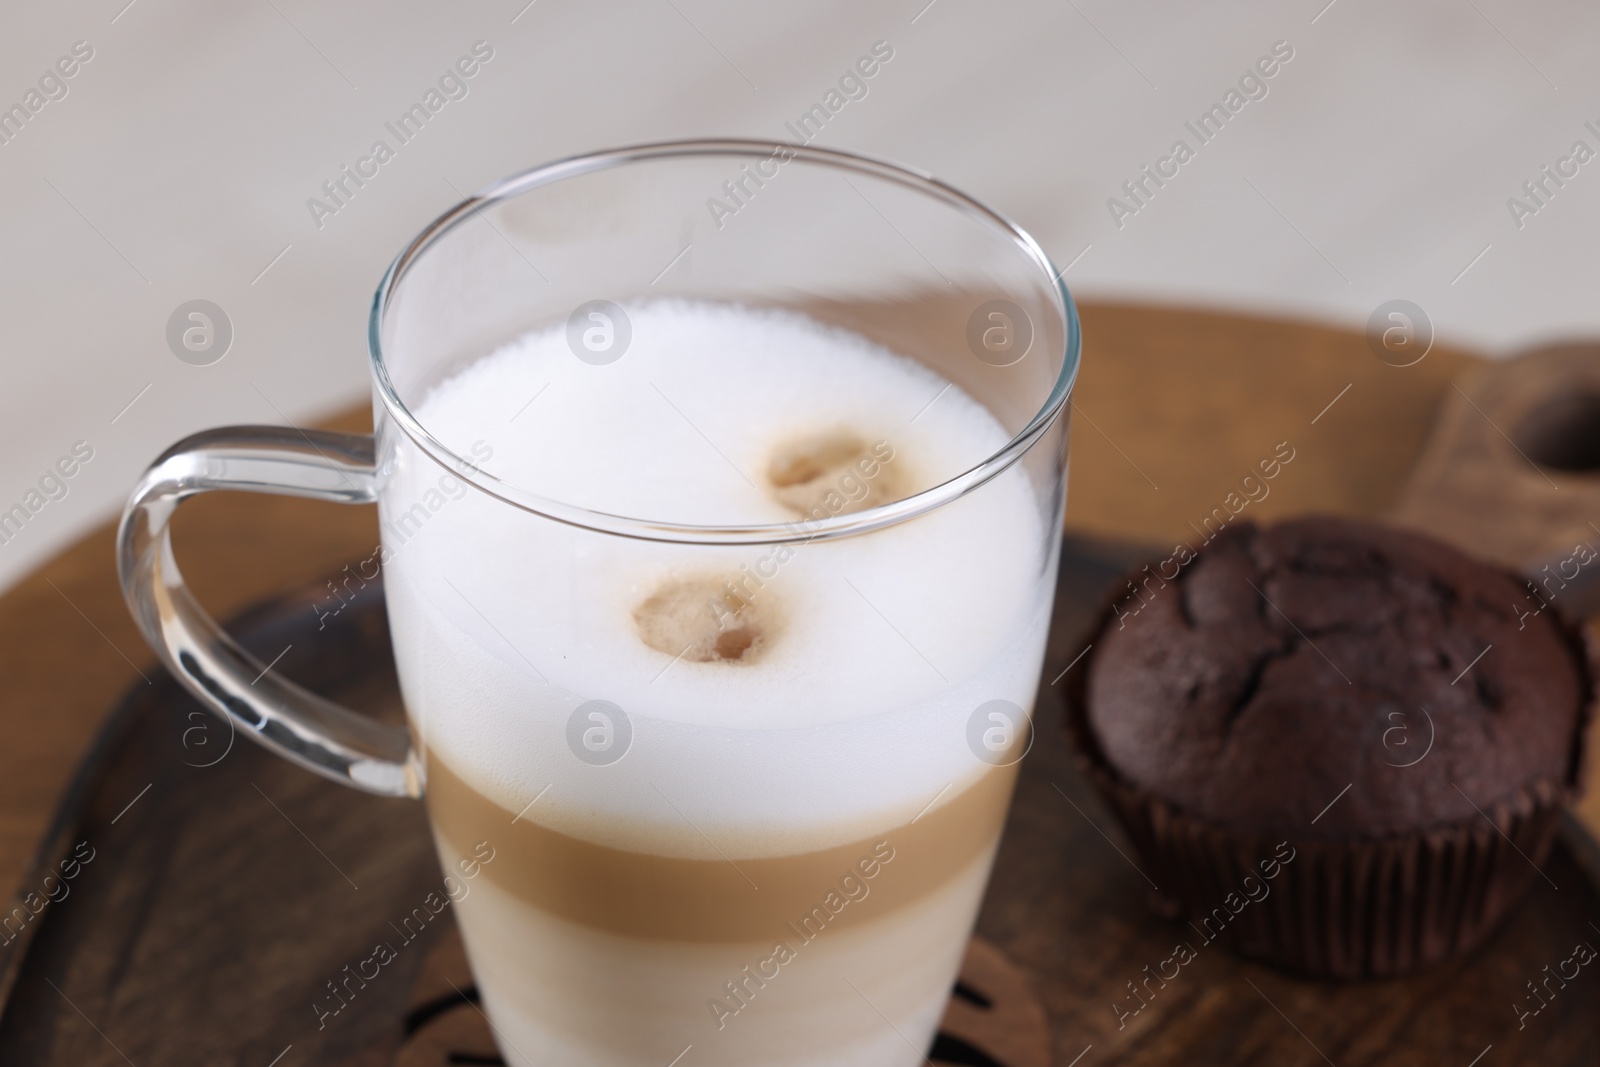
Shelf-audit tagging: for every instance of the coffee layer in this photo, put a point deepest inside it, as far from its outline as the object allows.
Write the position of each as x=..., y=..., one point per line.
x=645, y=895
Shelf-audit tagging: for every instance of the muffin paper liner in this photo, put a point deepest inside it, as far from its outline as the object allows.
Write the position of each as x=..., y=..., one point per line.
x=1340, y=908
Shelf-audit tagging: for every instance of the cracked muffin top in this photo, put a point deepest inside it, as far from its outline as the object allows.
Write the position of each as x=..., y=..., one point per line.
x=1286, y=663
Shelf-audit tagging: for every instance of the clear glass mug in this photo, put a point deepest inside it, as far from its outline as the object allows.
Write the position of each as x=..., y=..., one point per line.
x=768, y=870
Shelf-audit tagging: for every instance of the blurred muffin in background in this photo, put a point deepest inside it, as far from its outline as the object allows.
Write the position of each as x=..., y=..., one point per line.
x=1338, y=746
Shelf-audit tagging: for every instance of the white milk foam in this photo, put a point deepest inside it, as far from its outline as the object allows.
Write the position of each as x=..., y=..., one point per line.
x=853, y=718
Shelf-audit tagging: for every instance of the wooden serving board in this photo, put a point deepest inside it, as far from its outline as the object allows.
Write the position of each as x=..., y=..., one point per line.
x=223, y=888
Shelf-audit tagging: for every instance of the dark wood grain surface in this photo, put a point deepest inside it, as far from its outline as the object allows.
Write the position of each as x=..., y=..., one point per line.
x=1172, y=408
x=224, y=888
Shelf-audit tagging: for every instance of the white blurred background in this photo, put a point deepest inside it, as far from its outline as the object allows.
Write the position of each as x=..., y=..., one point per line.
x=179, y=162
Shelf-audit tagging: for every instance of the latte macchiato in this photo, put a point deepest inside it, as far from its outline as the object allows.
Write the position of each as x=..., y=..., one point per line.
x=735, y=811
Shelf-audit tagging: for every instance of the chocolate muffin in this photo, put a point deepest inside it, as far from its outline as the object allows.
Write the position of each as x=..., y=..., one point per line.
x=1398, y=718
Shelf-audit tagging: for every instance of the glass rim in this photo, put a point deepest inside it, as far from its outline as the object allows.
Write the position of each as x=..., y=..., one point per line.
x=802, y=530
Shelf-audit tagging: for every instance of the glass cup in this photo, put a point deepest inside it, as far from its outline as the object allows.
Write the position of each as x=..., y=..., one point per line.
x=684, y=858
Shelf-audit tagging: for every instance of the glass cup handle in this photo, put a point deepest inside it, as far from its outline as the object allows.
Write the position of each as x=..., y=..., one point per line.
x=315, y=733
